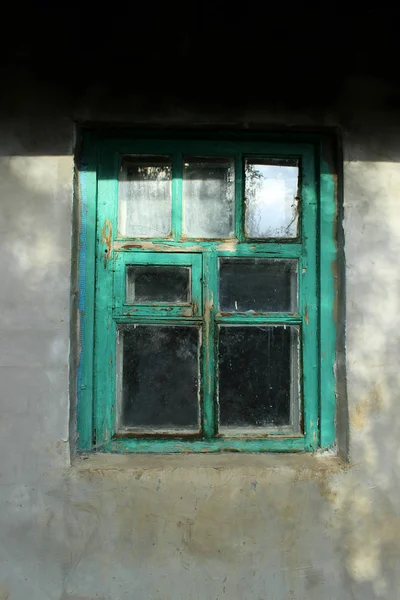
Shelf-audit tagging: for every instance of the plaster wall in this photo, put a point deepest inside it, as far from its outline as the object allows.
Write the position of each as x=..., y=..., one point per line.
x=191, y=527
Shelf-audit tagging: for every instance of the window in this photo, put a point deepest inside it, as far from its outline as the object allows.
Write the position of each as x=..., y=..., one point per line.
x=206, y=295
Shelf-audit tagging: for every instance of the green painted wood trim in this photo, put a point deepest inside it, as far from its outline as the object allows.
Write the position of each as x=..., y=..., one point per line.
x=210, y=281
x=86, y=277
x=264, y=250
x=314, y=317
x=224, y=248
x=158, y=319
x=197, y=284
x=148, y=311
x=276, y=444
x=327, y=273
x=157, y=258
x=265, y=319
x=105, y=328
x=308, y=302
x=177, y=210
x=122, y=260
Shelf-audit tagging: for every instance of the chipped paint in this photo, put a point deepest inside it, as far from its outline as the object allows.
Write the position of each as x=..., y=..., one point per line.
x=106, y=234
x=156, y=246
x=203, y=256
x=106, y=238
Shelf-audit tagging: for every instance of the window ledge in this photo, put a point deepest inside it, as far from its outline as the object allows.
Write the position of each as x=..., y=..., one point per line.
x=313, y=464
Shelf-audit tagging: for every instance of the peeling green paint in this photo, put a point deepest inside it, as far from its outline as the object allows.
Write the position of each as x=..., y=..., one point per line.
x=327, y=274
x=315, y=250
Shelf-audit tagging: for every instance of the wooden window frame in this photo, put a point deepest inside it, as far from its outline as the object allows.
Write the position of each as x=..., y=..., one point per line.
x=102, y=250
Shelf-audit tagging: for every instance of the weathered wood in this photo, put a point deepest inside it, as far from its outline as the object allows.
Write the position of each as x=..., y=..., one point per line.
x=102, y=300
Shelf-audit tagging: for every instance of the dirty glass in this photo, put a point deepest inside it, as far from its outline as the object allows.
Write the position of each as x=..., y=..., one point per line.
x=208, y=197
x=271, y=199
x=144, y=196
x=257, y=284
x=157, y=284
x=258, y=382
x=158, y=377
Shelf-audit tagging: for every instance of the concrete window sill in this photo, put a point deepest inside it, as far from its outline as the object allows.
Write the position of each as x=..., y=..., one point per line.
x=311, y=463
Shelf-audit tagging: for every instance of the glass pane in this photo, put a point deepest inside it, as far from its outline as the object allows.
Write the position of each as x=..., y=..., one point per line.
x=157, y=284
x=159, y=376
x=144, y=196
x=271, y=197
x=258, y=376
x=257, y=284
x=208, y=197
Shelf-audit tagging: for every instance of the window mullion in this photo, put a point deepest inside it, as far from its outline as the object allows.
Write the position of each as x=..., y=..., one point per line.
x=105, y=327
x=210, y=286
x=308, y=304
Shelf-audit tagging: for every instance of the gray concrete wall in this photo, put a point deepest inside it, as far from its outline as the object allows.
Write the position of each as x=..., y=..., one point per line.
x=192, y=527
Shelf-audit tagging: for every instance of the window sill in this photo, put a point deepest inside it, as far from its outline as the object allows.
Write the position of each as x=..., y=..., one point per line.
x=303, y=463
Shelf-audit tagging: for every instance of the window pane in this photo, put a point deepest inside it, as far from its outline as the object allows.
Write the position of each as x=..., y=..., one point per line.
x=258, y=381
x=160, y=377
x=145, y=199
x=208, y=197
x=257, y=284
x=271, y=192
x=157, y=284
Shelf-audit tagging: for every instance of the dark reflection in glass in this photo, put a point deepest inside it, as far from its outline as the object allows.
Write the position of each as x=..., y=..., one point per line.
x=258, y=284
x=255, y=375
x=160, y=376
x=157, y=284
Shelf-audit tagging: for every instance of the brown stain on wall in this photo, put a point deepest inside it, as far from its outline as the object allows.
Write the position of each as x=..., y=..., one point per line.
x=297, y=469
x=5, y=592
x=361, y=412
x=322, y=475
x=66, y=596
x=197, y=511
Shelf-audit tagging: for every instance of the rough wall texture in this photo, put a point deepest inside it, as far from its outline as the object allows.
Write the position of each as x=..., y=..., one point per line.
x=180, y=528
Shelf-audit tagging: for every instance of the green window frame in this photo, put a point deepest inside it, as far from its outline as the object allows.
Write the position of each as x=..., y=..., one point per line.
x=122, y=309
x=104, y=256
